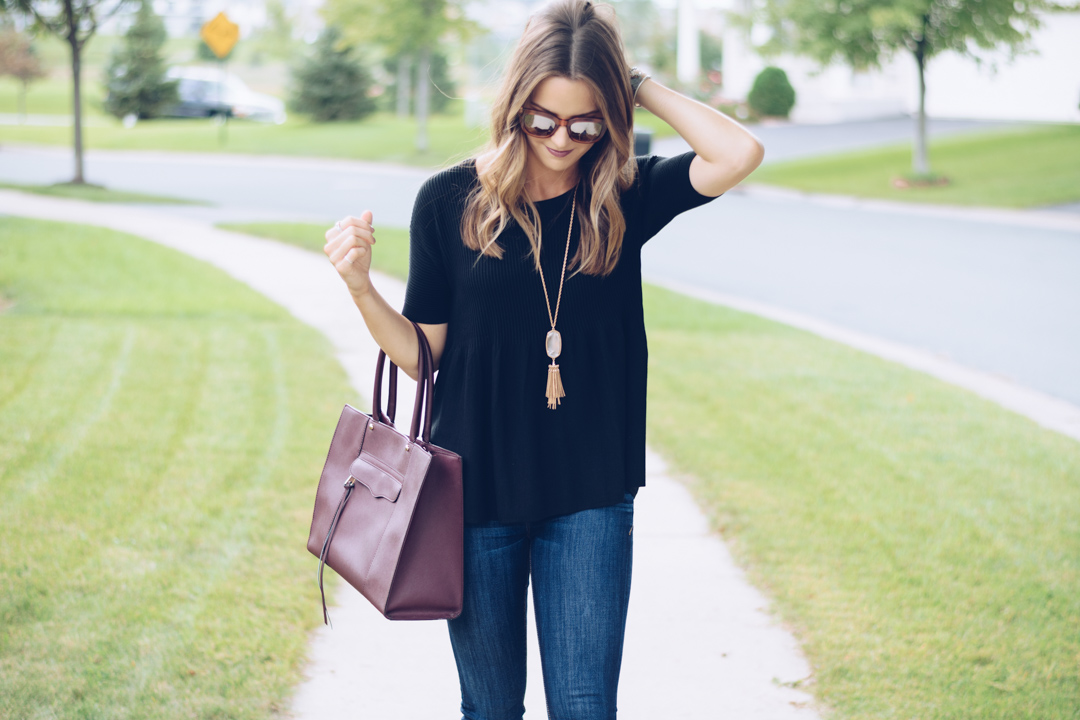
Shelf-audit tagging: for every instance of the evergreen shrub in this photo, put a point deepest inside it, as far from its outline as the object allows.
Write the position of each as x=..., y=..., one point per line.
x=135, y=79
x=331, y=84
x=772, y=94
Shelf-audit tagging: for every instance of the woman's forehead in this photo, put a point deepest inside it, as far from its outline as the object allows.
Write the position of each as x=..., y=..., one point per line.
x=565, y=97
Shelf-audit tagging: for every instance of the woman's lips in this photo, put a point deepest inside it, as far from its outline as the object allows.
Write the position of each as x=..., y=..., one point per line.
x=558, y=153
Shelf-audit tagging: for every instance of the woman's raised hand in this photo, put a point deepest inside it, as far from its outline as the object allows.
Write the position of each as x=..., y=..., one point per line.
x=348, y=245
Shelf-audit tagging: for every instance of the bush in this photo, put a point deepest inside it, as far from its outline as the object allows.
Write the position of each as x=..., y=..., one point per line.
x=772, y=94
x=135, y=81
x=331, y=84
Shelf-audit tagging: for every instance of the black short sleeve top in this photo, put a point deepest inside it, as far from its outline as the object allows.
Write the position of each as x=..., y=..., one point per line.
x=522, y=461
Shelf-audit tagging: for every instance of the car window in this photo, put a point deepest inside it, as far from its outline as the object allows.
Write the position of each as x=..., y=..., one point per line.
x=197, y=91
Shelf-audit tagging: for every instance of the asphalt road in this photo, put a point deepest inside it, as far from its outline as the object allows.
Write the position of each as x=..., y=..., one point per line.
x=1001, y=298
x=240, y=187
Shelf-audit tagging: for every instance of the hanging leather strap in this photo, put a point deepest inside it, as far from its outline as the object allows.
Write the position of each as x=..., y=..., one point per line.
x=425, y=378
x=424, y=390
x=387, y=418
x=349, y=485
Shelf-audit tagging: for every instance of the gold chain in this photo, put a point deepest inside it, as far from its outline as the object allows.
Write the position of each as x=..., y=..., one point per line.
x=547, y=301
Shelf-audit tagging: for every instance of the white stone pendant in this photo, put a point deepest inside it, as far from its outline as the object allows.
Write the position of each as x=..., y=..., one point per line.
x=554, y=344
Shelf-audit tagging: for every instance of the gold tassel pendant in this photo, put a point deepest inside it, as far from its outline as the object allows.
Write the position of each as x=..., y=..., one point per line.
x=554, y=386
x=553, y=341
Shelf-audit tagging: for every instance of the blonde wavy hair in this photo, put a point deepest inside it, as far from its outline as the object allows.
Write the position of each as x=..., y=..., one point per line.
x=576, y=40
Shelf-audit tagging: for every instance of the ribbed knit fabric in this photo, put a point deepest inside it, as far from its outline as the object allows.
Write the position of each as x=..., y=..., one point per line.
x=522, y=461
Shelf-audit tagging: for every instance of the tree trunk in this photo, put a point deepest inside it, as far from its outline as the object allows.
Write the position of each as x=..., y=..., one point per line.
x=404, y=89
x=22, y=101
x=920, y=164
x=423, y=89
x=76, y=77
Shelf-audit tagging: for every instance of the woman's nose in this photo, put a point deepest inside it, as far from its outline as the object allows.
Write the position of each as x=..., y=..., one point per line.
x=562, y=137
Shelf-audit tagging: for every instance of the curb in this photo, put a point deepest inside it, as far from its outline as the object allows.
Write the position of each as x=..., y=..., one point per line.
x=1046, y=410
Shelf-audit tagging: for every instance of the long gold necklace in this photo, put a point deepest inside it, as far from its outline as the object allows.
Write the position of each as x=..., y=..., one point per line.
x=553, y=343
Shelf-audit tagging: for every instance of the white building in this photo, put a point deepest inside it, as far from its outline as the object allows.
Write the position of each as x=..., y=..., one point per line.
x=1036, y=87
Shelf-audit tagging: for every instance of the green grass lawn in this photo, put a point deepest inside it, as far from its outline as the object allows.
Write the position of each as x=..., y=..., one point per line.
x=390, y=254
x=923, y=543
x=382, y=138
x=162, y=431
x=97, y=193
x=1026, y=168
x=50, y=96
x=379, y=138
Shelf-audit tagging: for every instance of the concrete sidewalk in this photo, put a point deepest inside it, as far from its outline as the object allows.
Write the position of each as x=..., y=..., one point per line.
x=700, y=641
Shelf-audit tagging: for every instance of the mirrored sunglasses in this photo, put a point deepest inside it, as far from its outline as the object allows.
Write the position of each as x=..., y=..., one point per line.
x=580, y=129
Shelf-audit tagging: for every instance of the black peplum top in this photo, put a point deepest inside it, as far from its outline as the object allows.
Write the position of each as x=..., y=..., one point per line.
x=523, y=462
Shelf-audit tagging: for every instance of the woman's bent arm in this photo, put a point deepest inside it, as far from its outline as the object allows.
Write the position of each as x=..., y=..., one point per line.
x=348, y=245
x=726, y=151
x=395, y=334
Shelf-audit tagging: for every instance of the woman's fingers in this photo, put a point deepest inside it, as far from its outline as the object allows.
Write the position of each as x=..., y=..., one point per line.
x=348, y=245
x=362, y=223
x=355, y=254
x=348, y=240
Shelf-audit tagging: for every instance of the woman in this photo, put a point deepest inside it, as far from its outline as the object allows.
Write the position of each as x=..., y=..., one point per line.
x=539, y=239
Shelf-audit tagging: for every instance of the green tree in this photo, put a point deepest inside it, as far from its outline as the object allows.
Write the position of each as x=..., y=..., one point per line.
x=440, y=80
x=136, y=81
x=75, y=22
x=409, y=30
x=863, y=33
x=275, y=40
x=331, y=84
x=712, y=52
x=649, y=37
x=19, y=60
x=639, y=22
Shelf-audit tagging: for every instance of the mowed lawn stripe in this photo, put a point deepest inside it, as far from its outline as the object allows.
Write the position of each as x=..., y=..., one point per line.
x=176, y=425
x=54, y=438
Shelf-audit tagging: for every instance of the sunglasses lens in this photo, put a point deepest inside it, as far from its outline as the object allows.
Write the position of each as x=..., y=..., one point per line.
x=586, y=130
x=582, y=130
x=538, y=125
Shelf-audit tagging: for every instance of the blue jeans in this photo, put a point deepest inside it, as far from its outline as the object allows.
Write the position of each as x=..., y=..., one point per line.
x=580, y=566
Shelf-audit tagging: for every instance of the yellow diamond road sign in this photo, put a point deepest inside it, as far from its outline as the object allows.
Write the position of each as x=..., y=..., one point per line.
x=220, y=34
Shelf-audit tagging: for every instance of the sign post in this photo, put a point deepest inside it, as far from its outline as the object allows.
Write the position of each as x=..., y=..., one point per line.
x=220, y=35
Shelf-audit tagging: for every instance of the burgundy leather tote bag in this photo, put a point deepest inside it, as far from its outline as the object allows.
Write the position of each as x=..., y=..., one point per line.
x=389, y=513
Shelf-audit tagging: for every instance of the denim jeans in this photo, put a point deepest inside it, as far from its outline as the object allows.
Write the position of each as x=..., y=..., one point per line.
x=580, y=566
